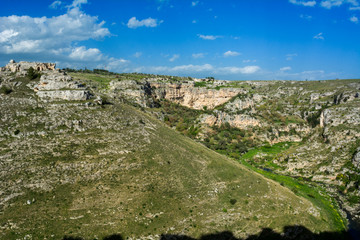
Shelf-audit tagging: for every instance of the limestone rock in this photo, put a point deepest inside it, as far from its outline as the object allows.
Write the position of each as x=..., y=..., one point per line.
x=22, y=66
x=356, y=158
x=70, y=95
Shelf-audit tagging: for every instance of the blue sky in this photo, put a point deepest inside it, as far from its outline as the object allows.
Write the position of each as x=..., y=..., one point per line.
x=234, y=40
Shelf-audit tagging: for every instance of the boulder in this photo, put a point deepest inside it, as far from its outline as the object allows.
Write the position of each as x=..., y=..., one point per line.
x=356, y=158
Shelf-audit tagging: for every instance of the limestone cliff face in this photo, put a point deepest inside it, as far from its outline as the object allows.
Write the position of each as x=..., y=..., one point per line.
x=241, y=121
x=188, y=95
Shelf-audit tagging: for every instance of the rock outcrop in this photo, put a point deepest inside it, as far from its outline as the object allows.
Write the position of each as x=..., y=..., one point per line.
x=356, y=158
x=188, y=95
x=241, y=121
x=22, y=66
x=59, y=86
x=184, y=93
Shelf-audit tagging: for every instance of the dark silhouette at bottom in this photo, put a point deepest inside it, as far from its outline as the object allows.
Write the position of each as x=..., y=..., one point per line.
x=289, y=233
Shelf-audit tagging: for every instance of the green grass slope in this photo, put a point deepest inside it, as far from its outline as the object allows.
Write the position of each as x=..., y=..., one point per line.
x=70, y=169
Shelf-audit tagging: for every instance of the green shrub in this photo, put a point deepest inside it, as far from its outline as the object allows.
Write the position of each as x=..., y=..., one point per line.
x=354, y=199
x=233, y=201
x=32, y=74
x=5, y=90
x=200, y=84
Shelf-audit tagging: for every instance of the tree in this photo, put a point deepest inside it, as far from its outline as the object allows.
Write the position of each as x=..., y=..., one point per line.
x=32, y=74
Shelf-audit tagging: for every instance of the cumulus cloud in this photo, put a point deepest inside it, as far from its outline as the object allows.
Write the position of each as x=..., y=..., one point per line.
x=7, y=34
x=55, y=38
x=303, y=3
x=205, y=69
x=43, y=34
x=55, y=4
x=283, y=69
x=331, y=3
x=336, y=3
x=354, y=19
x=319, y=36
x=83, y=54
x=148, y=22
x=194, y=3
x=208, y=37
x=174, y=57
x=77, y=3
x=198, y=55
x=239, y=70
x=231, y=54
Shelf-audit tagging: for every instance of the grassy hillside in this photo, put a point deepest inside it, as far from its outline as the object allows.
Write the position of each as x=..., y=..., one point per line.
x=68, y=168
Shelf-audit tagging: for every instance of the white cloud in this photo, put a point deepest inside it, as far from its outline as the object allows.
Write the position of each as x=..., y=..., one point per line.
x=331, y=3
x=283, y=69
x=192, y=68
x=174, y=57
x=194, y=3
x=7, y=34
x=304, y=16
x=77, y=3
x=303, y=3
x=208, y=37
x=55, y=38
x=290, y=56
x=336, y=3
x=137, y=54
x=55, y=4
x=239, y=70
x=24, y=33
x=248, y=60
x=231, y=54
x=83, y=54
x=354, y=19
x=309, y=75
x=114, y=64
x=148, y=22
x=206, y=69
x=198, y=55
x=319, y=36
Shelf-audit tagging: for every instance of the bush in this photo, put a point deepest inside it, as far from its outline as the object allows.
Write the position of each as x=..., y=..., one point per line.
x=32, y=74
x=5, y=90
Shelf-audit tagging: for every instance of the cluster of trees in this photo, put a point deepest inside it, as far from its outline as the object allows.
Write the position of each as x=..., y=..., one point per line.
x=229, y=140
x=97, y=71
x=182, y=118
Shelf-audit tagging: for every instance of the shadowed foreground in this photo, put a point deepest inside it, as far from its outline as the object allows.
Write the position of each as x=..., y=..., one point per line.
x=290, y=232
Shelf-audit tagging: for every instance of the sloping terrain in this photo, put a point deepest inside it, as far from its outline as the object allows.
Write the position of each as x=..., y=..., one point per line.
x=89, y=168
x=306, y=130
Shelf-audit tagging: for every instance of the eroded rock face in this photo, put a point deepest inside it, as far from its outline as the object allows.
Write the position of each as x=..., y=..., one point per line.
x=70, y=95
x=57, y=82
x=356, y=158
x=22, y=66
x=241, y=121
x=188, y=95
x=57, y=85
